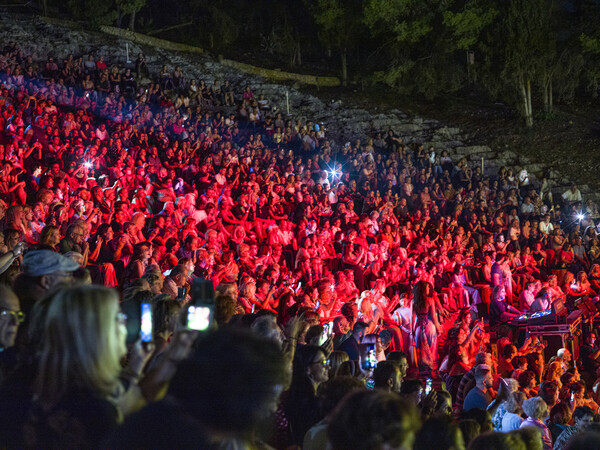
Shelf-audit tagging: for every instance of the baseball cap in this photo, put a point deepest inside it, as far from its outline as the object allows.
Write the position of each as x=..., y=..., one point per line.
x=44, y=262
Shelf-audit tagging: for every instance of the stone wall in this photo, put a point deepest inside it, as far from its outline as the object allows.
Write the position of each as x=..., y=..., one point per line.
x=149, y=41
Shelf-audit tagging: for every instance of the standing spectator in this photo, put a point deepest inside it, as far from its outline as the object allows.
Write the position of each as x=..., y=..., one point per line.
x=352, y=345
x=300, y=402
x=479, y=397
x=366, y=414
x=514, y=409
x=558, y=421
x=582, y=415
x=11, y=317
x=536, y=409
x=82, y=341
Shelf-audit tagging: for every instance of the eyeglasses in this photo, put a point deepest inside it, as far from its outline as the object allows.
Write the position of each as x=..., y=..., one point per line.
x=6, y=314
x=324, y=362
x=121, y=318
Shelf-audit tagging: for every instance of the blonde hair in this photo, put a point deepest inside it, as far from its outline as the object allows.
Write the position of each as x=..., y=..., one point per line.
x=79, y=348
x=554, y=371
x=336, y=359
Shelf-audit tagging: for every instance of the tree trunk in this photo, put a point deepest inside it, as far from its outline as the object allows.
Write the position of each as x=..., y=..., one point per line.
x=45, y=7
x=529, y=117
x=120, y=16
x=525, y=88
x=344, y=67
x=545, y=94
x=551, y=95
x=132, y=21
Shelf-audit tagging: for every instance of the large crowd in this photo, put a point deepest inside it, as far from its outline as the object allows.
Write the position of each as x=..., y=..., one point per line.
x=363, y=291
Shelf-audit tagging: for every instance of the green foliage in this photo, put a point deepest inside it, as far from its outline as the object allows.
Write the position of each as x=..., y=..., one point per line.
x=415, y=46
x=589, y=44
x=524, y=29
x=339, y=21
x=408, y=20
x=419, y=45
x=130, y=6
x=468, y=24
x=217, y=26
x=340, y=25
x=94, y=12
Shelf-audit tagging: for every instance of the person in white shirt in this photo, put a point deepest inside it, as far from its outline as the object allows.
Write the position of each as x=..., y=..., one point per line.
x=546, y=227
x=101, y=132
x=512, y=420
x=573, y=195
x=527, y=207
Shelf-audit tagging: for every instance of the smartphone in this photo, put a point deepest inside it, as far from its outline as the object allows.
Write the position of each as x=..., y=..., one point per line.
x=180, y=293
x=253, y=308
x=572, y=397
x=324, y=335
x=428, y=386
x=146, y=323
x=330, y=328
x=317, y=304
x=298, y=287
x=369, y=360
x=200, y=313
x=199, y=318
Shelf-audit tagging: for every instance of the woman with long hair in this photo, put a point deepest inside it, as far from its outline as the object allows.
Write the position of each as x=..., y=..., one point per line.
x=139, y=261
x=49, y=238
x=427, y=327
x=310, y=369
x=72, y=398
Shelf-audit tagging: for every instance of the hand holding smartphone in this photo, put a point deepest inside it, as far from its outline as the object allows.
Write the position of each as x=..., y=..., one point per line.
x=369, y=357
x=200, y=313
x=428, y=386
